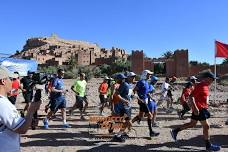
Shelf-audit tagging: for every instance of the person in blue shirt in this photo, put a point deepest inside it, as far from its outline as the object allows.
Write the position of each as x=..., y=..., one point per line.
x=57, y=98
x=142, y=89
x=123, y=107
x=152, y=105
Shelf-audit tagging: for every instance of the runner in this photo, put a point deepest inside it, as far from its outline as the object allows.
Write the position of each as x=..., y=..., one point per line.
x=200, y=99
x=142, y=89
x=28, y=86
x=57, y=98
x=164, y=90
x=12, y=95
x=103, y=90
x=123, y=106
x=79, y=87
x=152, y=105
x=184, y=99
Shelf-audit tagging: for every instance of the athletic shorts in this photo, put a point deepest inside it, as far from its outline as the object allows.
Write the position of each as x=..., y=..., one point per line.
x=185, y=106
x=79, y=102
x=28, y=96
x=204, y=114
x=103, y=99
x=121, y=110
x=57, y=103
x=152, y=106
x=143, y=107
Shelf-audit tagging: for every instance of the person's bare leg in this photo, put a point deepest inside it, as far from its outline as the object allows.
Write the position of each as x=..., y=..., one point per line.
x=86, y=105
x=206, y=128
x=63, y=111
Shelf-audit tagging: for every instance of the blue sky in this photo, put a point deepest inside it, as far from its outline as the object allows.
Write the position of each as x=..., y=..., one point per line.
x=155, y=26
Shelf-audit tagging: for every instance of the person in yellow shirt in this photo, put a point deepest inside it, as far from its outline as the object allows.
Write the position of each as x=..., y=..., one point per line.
x=79, y=87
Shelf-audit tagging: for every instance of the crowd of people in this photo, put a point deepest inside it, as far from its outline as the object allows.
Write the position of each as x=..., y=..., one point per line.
x=117, y=93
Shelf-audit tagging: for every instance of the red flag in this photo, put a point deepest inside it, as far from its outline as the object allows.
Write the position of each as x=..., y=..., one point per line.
x=221, y=49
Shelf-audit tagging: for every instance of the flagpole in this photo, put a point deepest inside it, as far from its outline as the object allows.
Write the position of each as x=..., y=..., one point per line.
x=215, y=71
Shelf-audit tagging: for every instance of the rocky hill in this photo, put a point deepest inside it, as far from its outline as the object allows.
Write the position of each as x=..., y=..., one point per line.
x=57, y=51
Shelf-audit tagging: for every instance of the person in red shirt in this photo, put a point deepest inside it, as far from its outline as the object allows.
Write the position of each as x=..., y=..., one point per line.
x=12, y=95
x=199, y=101
x=184, y=99
x=103, y=89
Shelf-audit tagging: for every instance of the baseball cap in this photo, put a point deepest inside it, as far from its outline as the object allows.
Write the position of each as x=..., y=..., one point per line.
x=120, y=76
x=5, y=73
x=30, y=72
x=106, y=78
x=131, y=74
x=154, y=78
x=209, y=74
x=193, y=78
x=148, y=72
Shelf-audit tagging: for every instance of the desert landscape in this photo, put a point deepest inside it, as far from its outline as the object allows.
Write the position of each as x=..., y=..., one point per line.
x=84, y=137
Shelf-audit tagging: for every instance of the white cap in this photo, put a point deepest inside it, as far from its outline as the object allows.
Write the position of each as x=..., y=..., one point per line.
x=144, y=74
x=5, y=73
x=193, y=78
x=131, y=74
x=148, y=72
x=106, y=78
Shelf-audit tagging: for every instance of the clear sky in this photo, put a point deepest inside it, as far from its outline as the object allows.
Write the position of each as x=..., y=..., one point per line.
x=155, y=26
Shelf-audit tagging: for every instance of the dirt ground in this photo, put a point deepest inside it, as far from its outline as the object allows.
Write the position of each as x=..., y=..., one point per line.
x=84, y=137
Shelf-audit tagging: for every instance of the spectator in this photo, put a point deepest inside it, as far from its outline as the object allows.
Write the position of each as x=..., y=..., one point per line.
x=11, y=123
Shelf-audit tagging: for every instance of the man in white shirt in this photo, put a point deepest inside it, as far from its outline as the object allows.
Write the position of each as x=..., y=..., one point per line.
x=11, y=123
x=164, y=90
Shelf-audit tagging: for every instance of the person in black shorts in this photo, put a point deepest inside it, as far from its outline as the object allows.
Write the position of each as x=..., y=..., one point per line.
x=142, y=89
x=28, y=86
x=199, y=99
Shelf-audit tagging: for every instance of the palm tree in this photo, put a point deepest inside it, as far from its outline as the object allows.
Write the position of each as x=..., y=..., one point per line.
x=168, y=54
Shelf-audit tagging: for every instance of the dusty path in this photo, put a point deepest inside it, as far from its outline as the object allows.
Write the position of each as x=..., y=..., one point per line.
x=83, y=138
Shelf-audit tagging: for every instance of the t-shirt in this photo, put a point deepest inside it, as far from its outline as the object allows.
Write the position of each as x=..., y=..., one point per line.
x=164, y=88
x=103, y=88
x=15, y=87
x=151, y=90
x=115, y=97
x=10, y=120
x=186, y=92
x=27, y=81
x=143, y=89
x=80, y=87
x=58, y=84
x=123, y=90
x=200, y=94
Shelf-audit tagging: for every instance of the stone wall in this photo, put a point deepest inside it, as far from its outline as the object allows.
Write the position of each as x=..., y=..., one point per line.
x=137, y=61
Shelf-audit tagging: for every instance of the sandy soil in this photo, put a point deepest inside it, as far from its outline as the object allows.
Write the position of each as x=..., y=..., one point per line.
x=82, y=137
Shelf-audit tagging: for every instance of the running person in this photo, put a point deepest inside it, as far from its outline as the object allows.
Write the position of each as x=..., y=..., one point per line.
x=122, y=108
x=200, y=99
x=103, y=90
x=164, y=91
x=152, y=105
x=142, y=88
x=184, y=99
x=58, y=100
x=79, y=87
x=28, y=86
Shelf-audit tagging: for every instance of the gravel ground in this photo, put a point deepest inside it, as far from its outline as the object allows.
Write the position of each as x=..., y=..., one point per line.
x=83, y=137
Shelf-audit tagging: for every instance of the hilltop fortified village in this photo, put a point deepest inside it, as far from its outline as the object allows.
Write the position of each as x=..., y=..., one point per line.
x=54, y=51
